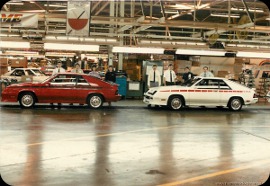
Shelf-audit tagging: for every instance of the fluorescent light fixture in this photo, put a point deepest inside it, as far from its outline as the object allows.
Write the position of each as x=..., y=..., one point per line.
x=82, y=39
x=171, y=42
x=250, y=9
x=248, y=46
x=225, y=15
x=253, y=54
x=60, y=54
x=9, y=35
x=171, y=12
x=14, y=52
x=33, y=11
x=12, y=44
x=75, y=47
x=200, y=52
x=55, y=5
x=138, y=50
x=14, y=3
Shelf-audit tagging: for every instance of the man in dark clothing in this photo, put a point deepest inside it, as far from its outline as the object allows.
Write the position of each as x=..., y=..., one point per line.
x=187, y=76
x=110, y=74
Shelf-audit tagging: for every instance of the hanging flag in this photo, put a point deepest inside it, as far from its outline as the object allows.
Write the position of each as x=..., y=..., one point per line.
x=78, y=18
x=18, y=19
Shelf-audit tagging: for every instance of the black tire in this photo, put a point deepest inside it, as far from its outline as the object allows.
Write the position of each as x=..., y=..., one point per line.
x=235, y=104
x=27, y=100
x=175, y=102
x=95, y=101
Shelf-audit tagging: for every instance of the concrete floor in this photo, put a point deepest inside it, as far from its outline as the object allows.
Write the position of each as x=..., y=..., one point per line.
x=131, y=145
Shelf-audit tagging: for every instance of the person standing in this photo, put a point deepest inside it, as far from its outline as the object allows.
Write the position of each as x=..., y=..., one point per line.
x=94, y=72
x=77, y=69
x=169, y=76
x=187, y=76
x=110, y=74
x=206, y=72
x=58, y=69
x=154, y=79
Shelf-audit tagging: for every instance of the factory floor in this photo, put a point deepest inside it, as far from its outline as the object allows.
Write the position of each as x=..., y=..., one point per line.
x=129, y=144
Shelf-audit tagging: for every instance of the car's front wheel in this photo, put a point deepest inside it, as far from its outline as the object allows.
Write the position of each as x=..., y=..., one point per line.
x=235, y=104
x=175, y=102
x=95, y=101
x=27, y=100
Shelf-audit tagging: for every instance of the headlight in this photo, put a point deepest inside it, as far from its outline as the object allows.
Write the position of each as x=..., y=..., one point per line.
x=152, y=93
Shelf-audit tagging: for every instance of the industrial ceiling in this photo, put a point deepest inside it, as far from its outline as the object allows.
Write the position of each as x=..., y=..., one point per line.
x=229, y=24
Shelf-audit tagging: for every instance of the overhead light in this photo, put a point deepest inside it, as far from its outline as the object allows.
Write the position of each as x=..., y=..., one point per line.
x=253, y=54
x=62, y=10
x=200, y=52
x=33, y=11
x=171, y=12
x=248, y=46
x=171, y=42
x=225, y=15
x=82, y=39
x=12, y=44
x=250, y=9
x=60, y=54
x=55, y=5
x=21, y=52
x=9, y=35
x=14, y=3
x=76, y=47
x=268, y=18
x=138, y=50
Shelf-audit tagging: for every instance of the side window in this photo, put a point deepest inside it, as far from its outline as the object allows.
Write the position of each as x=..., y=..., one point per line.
x=208, y=84
x=82, y=81
x=18, y=73
x=223, y=85
x=30, y=73
x=213, y=82
x=64, y=80
x=203, y=82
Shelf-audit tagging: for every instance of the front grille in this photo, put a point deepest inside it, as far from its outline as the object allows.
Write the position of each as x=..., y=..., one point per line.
x=148, y=97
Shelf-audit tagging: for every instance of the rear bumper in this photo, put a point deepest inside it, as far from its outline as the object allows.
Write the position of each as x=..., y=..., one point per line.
x=253, y=101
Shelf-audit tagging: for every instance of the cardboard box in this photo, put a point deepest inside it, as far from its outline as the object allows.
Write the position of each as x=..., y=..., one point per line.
x=222, y=74
x=196, y=64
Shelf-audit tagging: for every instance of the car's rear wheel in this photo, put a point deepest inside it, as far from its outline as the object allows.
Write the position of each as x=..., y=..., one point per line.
x=175, y=102
x=27, y=100
x=235, y=104
x=95, y=101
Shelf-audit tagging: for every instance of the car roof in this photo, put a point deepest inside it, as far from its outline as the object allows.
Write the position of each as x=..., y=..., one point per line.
x=210, y=77
x=26, y=68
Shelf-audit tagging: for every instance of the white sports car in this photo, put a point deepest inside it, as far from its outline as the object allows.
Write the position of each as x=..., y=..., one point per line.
x=202, y=91
x=268, y=96
x=17, y=74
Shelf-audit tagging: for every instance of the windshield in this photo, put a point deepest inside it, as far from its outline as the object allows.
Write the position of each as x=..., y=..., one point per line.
x=38, y=72
x=192, y=82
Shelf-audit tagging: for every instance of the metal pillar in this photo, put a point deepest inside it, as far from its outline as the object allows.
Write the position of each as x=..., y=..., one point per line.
x=112, y=14
x=120, y=55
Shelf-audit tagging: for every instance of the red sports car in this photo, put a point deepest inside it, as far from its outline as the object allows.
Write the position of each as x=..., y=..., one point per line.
x=63, y=88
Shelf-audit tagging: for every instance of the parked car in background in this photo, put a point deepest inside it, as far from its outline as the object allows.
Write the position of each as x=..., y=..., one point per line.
x=25, y=74
x=63, y=88
x=202, y=91
x=268, y=96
